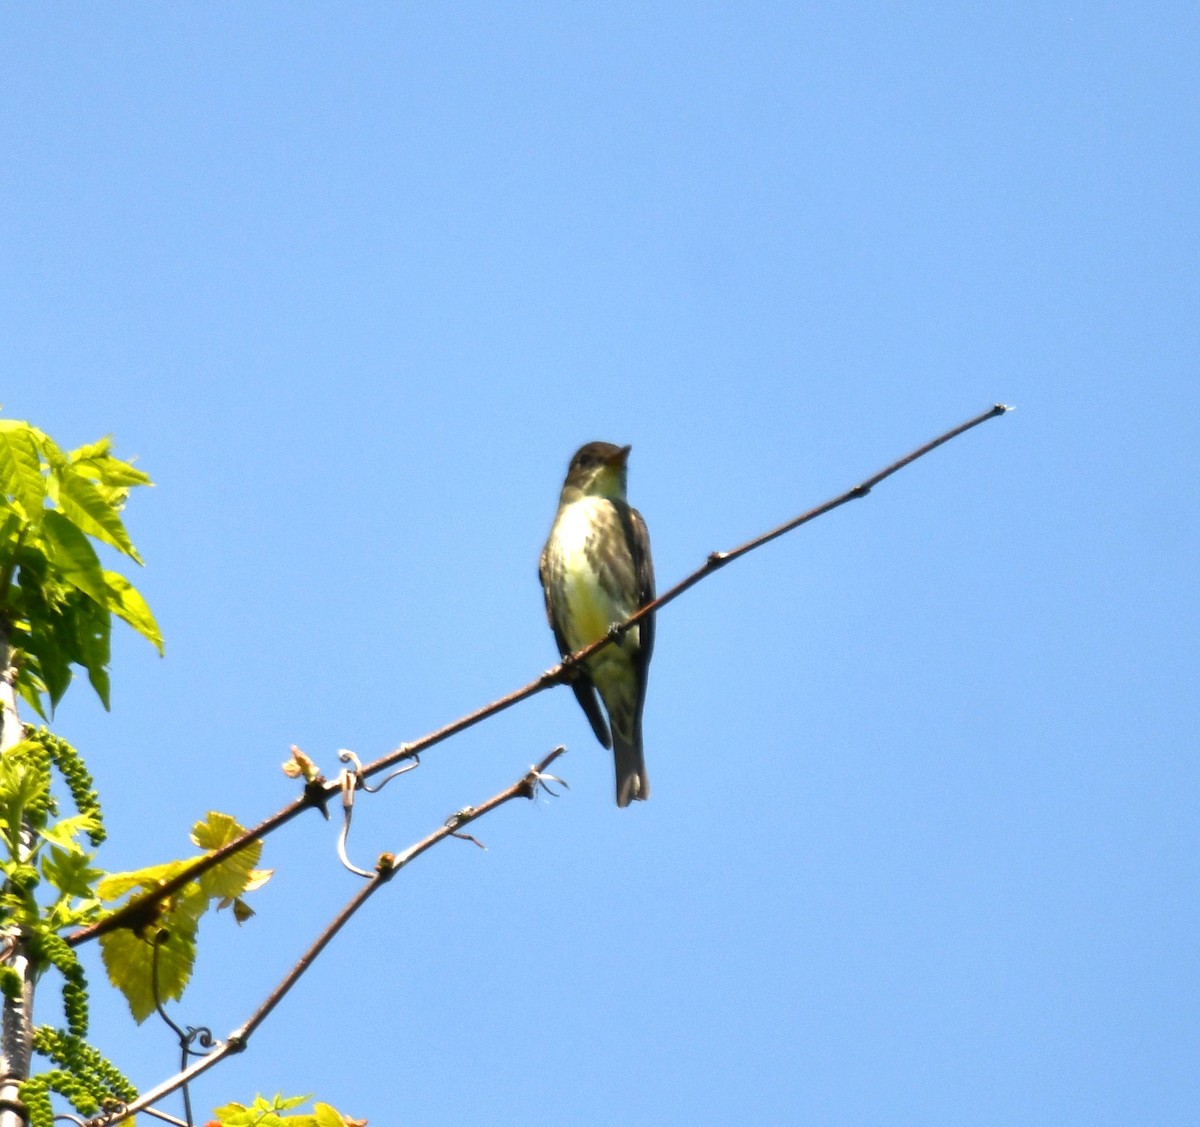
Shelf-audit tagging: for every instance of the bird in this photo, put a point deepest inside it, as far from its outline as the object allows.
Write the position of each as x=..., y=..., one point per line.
x=596, y=570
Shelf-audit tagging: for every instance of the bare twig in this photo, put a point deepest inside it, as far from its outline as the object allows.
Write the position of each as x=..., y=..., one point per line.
x=319, y=791
x=388, y=866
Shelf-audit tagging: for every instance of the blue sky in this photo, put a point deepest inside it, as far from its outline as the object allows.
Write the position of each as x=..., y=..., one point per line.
x=353, y=282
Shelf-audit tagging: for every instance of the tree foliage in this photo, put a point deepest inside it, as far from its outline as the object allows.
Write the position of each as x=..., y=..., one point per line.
x=60, y=512
x=57, y=600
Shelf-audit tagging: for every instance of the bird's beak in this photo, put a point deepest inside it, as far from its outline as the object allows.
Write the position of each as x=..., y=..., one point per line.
x=620, y=457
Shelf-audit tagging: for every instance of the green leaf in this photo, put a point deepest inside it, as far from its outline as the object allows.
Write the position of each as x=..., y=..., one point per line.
x=130, y=960
x=50, y=449
x=266, y=1113
x=241, y=910
x=70, y=871
x=21, y=468
x=101, y=448
x=63, y=832
x=10, y=527
x=231, y=877
x=71, y=554
x=326, y=1116
x=49, y=669
x=112, y=472
x=116, y=885
x=67, y=628
x=91, y=512
x=24, y=793
x=31, y=689
x=89, y=629
x=126, y=602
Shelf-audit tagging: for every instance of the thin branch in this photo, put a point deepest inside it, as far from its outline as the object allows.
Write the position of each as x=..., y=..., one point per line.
x=714, y=561
x=141, y=909
x=387, y=867
x=318, y=792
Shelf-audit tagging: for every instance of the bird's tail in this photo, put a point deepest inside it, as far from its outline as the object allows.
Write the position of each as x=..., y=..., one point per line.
x=633, y=784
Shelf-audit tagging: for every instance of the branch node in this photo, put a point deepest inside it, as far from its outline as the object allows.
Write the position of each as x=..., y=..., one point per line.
x=860, y=491
x=459, y=817
x=387, y=865
x=316, y=796
x=716, y=559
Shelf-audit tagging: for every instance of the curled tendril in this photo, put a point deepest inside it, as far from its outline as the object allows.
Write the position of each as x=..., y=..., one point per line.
x=202, y=1036
x=360, y=779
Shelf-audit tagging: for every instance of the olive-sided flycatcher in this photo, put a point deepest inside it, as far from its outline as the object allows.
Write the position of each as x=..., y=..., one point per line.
x=596, y=570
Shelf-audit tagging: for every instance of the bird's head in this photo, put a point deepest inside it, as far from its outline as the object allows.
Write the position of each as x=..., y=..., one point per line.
x=597, y=470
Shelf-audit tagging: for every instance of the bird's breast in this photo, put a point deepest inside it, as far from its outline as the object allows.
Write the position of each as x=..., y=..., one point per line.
x=587, y=549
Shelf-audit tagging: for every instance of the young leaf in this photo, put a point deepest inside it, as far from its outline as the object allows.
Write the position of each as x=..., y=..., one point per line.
x=10, y=526
x=21, y=469
x=64, y=629
x=46, y=667
x=91, y=512
x=101, y=448
x=30, y=686
x=63, y=832
x=70, y=871
x=91, y=634
x=232, y=876
x=97, y=463
x=71, y=554
x=50, y=449
x=115, y=885
x=266, y=1113
x=131, y=961
x=24, y=794
x=126, y=602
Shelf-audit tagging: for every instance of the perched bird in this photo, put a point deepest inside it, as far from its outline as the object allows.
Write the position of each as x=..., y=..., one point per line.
x=596, y=570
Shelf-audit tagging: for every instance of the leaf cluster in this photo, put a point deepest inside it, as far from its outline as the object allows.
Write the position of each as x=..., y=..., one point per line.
x=270, y=1113
x=152, y=963
x=57, y=600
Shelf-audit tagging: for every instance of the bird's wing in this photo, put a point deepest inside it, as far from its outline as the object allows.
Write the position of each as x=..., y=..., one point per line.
x=633, y=571
x=643, y=567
